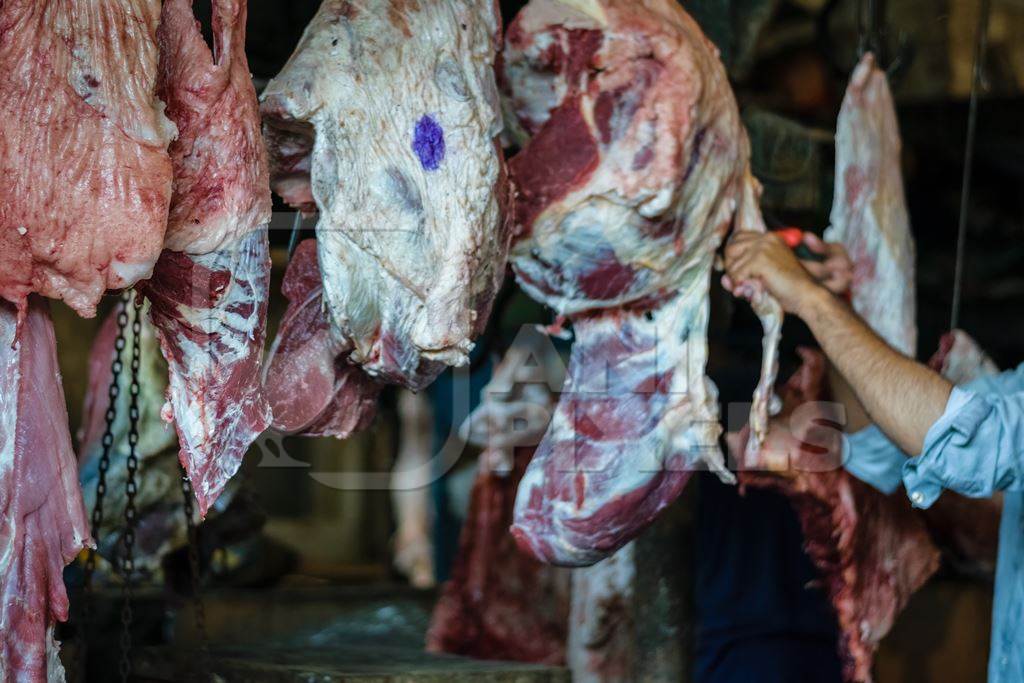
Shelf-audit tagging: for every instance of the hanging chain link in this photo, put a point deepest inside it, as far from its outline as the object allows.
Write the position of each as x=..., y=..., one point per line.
x=193, y=565
x=107, y=443
x=131, y=487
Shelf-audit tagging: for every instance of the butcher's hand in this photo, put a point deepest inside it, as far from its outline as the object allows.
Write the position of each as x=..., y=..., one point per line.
x=835, y=272
x=765, y=258
x=901, y=396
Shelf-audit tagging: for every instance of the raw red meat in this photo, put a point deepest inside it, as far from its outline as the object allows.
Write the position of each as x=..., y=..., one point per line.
x=499, y=602
x=209, y=290
x=873, y=551
x=311, y=388
x=155, y=435
x=385, y=120
x=42, y=521
x=210, y=312
x=221, y=181
x=869, y=211
x=83, y=148
x=637, y=170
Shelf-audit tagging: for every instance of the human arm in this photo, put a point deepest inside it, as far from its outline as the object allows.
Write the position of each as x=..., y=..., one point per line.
x=903, y=397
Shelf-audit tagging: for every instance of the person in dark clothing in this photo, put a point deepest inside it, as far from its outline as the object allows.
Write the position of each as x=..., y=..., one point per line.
x=760, y=613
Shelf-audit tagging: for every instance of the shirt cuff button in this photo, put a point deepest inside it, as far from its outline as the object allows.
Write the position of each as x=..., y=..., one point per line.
x=917, y=497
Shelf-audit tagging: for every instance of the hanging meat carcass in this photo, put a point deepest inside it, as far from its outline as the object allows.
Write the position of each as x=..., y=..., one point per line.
x=312, y=390
x=637, y=170
x=499, y=602
x=873, y=551
x=83, y=148
x=210, y=287
x=42, y=521
x=385, y=120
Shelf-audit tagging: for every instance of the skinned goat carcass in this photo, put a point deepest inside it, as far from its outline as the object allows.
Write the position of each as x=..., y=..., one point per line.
x=385, y=119
x=210, y=288
x=501, y=603
x=872, y=550
x=636, y=171
x=83, y=149
x=42, y=520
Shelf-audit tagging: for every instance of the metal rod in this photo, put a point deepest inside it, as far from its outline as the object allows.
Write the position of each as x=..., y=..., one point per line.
x=980, y=46
x=293, y=240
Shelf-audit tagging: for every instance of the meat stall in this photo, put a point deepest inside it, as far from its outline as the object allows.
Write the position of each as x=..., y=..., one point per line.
x=385, y=339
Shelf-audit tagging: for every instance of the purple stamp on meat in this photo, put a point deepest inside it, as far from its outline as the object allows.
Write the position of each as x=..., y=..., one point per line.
x=428, y=143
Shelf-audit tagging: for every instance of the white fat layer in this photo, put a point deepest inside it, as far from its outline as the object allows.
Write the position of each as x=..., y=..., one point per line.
x=406, y=251
x=967, y=361
x=129, y=273
x=54, y=667
x=194, y=383
x=10, y=381
x=869, y=211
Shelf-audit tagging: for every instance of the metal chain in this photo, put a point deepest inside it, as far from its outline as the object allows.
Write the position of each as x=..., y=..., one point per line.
x=193, y=565
x=131, y=488
x=107, y=442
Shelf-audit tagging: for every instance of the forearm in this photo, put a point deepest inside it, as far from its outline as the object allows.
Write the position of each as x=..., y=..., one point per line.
x=903, y=397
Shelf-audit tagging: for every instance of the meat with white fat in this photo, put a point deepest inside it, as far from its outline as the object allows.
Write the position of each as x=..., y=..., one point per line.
x=83, y=148
x=385, y=120
x=42, y=520
x=501, y=603
x=873, y=551
x=209, y=289
x=869, y=210
x=636, y=171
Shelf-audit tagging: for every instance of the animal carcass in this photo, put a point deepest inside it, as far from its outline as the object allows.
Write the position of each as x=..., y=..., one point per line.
x=42, y=521
x=385, y=120
x=210, y=287
x=636, y=171
x=83, y=148
x=501, y=603
x=873, y=550
x=312, y=389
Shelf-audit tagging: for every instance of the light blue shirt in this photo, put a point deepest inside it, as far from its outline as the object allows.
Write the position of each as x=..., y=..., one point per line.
x=976, y=448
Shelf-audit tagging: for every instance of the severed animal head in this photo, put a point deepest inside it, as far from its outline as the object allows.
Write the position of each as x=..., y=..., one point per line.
x=384, y=121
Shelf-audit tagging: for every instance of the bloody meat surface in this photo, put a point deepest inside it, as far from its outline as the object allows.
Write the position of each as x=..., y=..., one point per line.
x=636, y=171
x=83, y=149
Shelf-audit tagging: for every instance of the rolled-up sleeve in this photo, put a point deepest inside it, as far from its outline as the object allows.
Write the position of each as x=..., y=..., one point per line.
x=976, y=448
x=870, y=456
